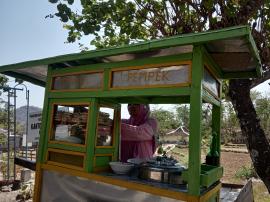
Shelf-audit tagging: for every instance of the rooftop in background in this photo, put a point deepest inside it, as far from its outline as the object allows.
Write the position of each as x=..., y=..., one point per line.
x=232, y=49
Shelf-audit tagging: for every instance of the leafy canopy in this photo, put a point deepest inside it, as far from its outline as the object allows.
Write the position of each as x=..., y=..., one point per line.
x=118, y=22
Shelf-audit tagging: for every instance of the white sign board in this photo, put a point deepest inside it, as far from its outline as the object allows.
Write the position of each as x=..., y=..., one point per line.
x=170, y=75
x=78, y=81
x=34, y=123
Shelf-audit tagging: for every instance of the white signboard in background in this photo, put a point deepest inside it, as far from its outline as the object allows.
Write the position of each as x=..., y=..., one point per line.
x=34, y=123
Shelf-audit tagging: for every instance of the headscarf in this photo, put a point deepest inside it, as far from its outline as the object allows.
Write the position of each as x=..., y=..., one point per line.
x=141, y=118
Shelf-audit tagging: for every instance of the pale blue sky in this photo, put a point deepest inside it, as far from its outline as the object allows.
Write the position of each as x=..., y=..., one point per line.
x=26, y=35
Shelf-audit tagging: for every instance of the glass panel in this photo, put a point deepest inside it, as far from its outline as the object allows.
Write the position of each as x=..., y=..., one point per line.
x=171, y=75
x=211, y=83
x=70, y=123
x=79, y=81
x=105, y=126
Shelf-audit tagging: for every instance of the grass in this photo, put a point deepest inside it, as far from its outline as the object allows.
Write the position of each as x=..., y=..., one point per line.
x=245, y=172
x=260, y=192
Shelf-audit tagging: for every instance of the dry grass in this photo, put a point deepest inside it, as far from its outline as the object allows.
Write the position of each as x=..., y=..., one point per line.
x=260, y=192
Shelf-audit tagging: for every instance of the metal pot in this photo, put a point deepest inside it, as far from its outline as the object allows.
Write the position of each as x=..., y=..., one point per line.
x=170, y=175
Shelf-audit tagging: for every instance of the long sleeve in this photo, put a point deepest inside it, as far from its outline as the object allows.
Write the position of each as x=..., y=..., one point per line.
x=143, y=132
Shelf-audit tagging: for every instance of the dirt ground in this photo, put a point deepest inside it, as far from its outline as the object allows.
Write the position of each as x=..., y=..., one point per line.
x=232, y=162
x=8, y=196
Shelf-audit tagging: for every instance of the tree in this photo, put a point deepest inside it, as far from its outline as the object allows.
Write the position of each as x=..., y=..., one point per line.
x=182, y=115
x=230, y=123
x=116, y=22
x=3, y=112
x=166, y=120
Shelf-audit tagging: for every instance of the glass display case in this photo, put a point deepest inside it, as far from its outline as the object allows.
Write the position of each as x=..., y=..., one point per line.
x=69, y=123
x=105, y=126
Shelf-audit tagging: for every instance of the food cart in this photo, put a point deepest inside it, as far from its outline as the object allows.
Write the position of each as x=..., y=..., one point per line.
x=80, y=132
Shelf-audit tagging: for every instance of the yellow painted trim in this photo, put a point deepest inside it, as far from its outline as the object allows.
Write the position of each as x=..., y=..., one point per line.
x=114, y=125
x=101, y=169
x=104, y=147
x=67, y=143
x=103, y=154
x=78, y=90
x=38, y=183
x=65, y=165
x=77, y=73
x=152, y=86
x=193, y=198
x=188, y=62
x=126, y=184
x=66, y=152
x=51, y=114
x=210, y=193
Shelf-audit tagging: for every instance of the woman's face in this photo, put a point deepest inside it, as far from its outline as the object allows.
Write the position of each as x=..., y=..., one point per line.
x=134, y=109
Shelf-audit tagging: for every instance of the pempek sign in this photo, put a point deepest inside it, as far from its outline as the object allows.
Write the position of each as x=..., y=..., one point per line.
x=151, y=77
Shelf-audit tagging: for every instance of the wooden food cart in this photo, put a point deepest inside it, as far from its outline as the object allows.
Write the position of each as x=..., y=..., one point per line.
x=80, y=130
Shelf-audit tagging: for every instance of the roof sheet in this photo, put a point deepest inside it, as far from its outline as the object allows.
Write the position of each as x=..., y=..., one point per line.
x=232, y=49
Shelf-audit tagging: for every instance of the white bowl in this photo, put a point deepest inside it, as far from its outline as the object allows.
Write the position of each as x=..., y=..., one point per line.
x=120, y=167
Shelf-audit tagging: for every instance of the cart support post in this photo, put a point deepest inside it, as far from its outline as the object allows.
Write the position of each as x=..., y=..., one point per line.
x=91, y=139
x=194, y=166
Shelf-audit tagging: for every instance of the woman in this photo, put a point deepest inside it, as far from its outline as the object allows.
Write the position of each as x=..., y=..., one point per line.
x=138, y=133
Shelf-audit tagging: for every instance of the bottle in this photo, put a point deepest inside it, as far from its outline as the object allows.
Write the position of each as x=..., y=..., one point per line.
x=212, y=158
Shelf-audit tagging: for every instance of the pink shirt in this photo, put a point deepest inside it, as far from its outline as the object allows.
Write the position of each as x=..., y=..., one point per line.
x=138, y=141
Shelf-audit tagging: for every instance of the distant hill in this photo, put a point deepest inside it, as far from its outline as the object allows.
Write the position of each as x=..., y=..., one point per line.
x=21, y=113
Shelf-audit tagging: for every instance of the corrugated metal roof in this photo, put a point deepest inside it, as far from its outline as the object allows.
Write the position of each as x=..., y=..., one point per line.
x=232, y=49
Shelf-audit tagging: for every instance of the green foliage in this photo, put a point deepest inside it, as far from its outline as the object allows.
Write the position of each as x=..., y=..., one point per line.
x=3, y=139
x=246, y=172
x=166, y=120
x=3, y=165
x=182, y=115
x=118, y=22
x=229, y=123
x=3, y=118
x=263, y=111
x=3, y=80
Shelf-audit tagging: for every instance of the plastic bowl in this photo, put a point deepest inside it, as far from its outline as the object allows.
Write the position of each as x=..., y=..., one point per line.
x=120, y=167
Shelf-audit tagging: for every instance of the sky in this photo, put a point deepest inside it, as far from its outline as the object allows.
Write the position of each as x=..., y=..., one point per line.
x=26, y=35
